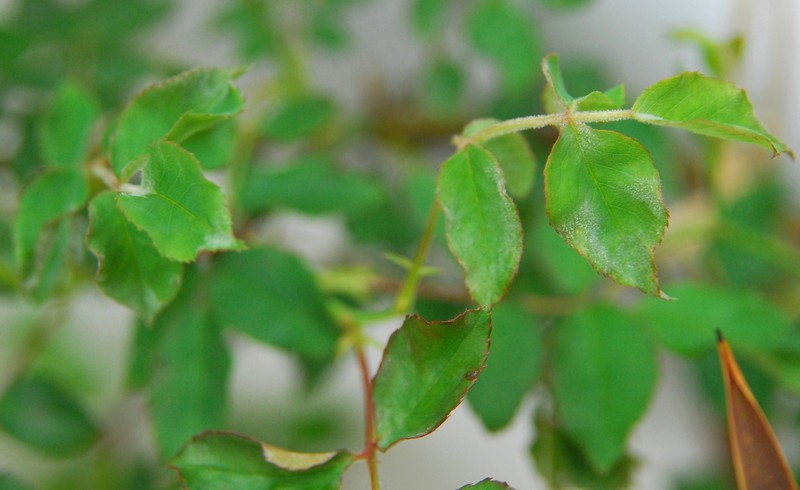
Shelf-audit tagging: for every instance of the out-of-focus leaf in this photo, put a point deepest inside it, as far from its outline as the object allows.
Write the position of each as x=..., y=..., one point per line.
x=310, y=185
x=604, y=372
x=564, y=4
x=182, y=212
x=300, y=117
x=189, y=370
x=687, y=324
x=705, y=106
x=428, y=16
x=175, y=109
x=483, y=228
x=565, y=269
x=41, y=414
x=720, y=57
x=219, y=461
x=426, y=370
x=67, y=126
x=604, y=199
x=443, y=88
x=513, y=365
x=252, y=22
x=130, y=268
x=487, y=484
x=514, y=155
x=757, y=457
x=8, y=482
x=562, y=463
x=214, y=146
x=49, y=197
x=506, y=34
x=271, y=296
x=49, y=271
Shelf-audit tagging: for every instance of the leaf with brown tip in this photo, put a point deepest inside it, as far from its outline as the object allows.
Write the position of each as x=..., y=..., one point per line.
x=758, y=460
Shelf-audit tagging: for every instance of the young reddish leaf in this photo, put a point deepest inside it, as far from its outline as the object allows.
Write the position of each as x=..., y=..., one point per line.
x=706, y=106
x=487, y=484
x=604, y=199
x=604, y=371
x=483, y=228
x=130, y=268
x=175, y=109
x=222, y=460
x=757, y=457
x=182, y=212
x=427, y=369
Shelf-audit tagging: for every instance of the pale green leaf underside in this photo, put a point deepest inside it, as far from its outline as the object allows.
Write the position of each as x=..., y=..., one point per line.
x=181, y=211
x=604, y=199
x=427, y=369
x=603, y=375
x=174, y=109
x=223, y=461
x=130, y=268
x=705, y=106
x=483, y=228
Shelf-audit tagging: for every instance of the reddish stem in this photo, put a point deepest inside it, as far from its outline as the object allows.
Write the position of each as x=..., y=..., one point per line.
x=370, y=444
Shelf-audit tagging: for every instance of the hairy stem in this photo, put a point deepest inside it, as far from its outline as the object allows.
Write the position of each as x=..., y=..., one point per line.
x=409, y=292
x=535, y=122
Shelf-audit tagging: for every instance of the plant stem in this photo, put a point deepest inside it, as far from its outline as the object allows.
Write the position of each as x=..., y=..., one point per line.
x=535, y=122
x=409, y=292
x=369, y=420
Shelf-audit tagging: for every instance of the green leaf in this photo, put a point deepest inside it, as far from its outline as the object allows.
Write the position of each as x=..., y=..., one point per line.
x=721, y=58
x=190, y=364
x=604, y=372
x=513, y=365
x=251, y=23
x=8, y=482
x=563, y=267
x=271, y=296
x=611, y=99
x=443, y=88
x=130, y=268
x=564, y=4
x=50, y=262
x=705, y=106
x=505, y=33
x=300, y=117
x=41, y=414
x=551, y=66
x=487, y=484
x=213, y=147
x=175, y=109
x=310, y=185
x=428, y=16
x=514, y=155
x=221, y=461
x=483, y=228
x=604, y=199
x=688, y=324
x=426, y=370
x=182, y=212
x=49, y=197
x=67, y=126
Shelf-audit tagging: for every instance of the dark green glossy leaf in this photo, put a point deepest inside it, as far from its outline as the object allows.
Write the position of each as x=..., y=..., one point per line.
x=214, y=146
x=310, y=185
x=506, y=34
x=604, y=371
x=428, y=16
x=300, y=118
x=487, y=484
x=271, y=296
x=190, y=364
x=175, y=109
x=67, y=126
x=443, y=88
x=49, y=197
x=483, y=228
x=604, y=199
x=688, y=324
x=222, y=461
x=513, y=365
x=182, y=212
x=130, y=268
x=41, y=414
x=427, y=369
x=705, y=106
x=514, y=155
